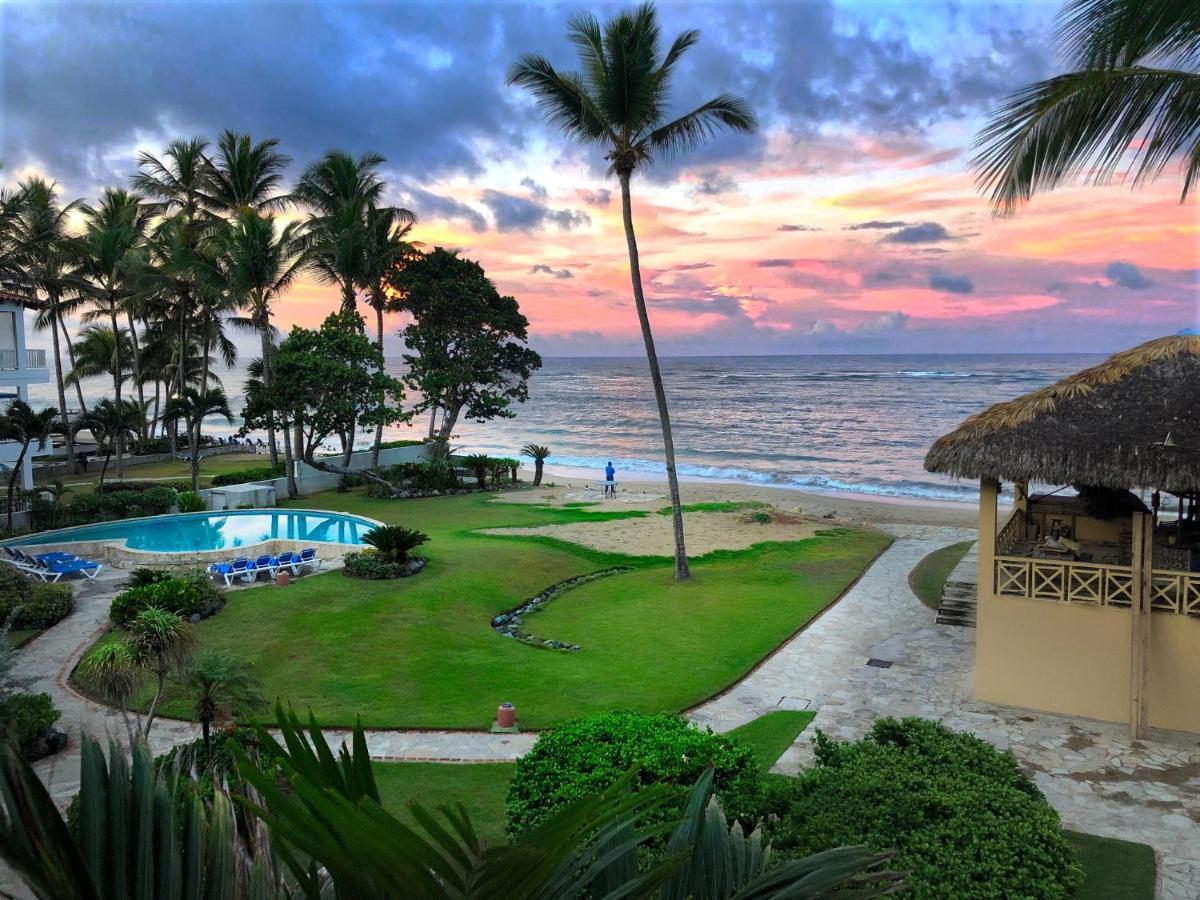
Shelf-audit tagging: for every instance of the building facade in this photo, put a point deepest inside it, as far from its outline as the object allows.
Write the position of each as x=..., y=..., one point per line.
x=20, y=366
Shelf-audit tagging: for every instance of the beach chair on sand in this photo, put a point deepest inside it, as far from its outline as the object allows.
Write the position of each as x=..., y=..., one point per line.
x=243, y=569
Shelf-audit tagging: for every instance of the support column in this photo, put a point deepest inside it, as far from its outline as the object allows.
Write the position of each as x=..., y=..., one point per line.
x=989, y=491
x=1139, y=668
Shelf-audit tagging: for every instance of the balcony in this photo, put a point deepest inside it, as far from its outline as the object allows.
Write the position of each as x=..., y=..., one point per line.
x=34, y=359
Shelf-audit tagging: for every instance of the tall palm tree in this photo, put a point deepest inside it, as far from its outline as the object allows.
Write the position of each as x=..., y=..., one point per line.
x=245, y=175
x=111, y=423
x=111, y=260
x=387, y=248
x=25, y=426
x=1130, y=103
x=99, y=350
x=617, y=105
x=218, y=682
x=261, y=263
x=192, y=407
x=45, y=253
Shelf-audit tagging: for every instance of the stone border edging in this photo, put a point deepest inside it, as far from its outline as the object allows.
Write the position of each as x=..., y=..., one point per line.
x=508, y=623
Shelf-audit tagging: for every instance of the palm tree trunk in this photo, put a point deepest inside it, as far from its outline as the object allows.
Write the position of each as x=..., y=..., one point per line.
x=117, y=368
x=137, y=371
x=12, y=484
x=290, y=464
x=194, y=447
x=71, y=354
x=62, y=390
x=660, y=394
x=537, y=472
x=103, y=472
x=265, y=334
x=162, y=683
x=382, y=398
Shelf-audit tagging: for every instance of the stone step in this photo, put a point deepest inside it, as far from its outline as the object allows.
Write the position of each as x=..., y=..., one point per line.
x=959, y=595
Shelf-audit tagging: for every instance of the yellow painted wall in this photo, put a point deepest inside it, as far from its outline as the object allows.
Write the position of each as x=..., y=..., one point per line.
x=1075, y=660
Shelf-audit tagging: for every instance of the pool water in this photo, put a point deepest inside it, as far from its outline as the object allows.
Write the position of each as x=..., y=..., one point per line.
x=196, y=532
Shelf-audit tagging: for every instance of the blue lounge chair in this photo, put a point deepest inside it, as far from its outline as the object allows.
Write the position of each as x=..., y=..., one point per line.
x=288, y=560
x=266, y=563
x=57, y=568
x=239, y=568
x=308, y=557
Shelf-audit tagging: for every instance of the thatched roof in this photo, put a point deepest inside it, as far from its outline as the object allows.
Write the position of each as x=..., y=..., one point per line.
x=1131, y=422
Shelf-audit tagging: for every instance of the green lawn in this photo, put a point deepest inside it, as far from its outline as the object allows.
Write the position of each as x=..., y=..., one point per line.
x=768, y=736
x=1113, y=869
x=173, y=470
x=481, y=788
x=929, y=576
x=420, y=652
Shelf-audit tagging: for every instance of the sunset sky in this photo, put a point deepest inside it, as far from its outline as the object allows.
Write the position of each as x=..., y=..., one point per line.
x=849, y=223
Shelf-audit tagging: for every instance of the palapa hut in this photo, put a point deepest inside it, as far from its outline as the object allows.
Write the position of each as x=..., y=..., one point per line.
x=1067, y=583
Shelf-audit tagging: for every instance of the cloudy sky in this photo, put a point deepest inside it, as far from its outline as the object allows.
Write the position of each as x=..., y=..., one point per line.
x=849, y=223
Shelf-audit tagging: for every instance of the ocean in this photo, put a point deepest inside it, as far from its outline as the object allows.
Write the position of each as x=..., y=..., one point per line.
x=858, y=424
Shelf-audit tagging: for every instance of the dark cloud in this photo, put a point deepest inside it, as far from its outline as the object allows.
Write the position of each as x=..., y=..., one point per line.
x=598, y=197
x=429, y=205
x=690, y=267
x=548, y=270
x=873, y=225
x=534, y=188
x=925, y=233
x=775, y=263
x=1127, y=275
x=513, y=213
x=882, y=277
x=797, y=228
x=951, y=284
x=714, y=183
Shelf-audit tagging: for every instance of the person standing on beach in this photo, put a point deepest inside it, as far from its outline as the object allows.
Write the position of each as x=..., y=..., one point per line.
x=610, y=483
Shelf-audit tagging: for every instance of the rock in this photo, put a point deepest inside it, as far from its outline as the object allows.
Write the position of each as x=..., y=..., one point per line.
x=194, y=617
x=829, y=515
x=499, y=620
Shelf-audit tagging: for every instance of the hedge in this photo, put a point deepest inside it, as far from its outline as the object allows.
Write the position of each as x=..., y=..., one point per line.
x=186, y=596
x=964, y=820
x=586, y=755
x=32, y=604
x=256, y=473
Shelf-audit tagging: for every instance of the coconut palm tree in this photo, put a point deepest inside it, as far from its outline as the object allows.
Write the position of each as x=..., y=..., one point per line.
x=538, y=454
x=111, y=423
x=111, y=259
x=245, y=175
x=101, y=351
x=21, y=424
x=262, y=261
x=1129, y=103
x=387, y=248
x=618, y=105
x=192, y=407
x=220, y=683
x=45, y=253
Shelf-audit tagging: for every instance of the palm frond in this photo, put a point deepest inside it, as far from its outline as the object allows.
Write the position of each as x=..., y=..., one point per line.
x=1107, y=34
x=1083, y=124
x=564, y=98
x=691, y=130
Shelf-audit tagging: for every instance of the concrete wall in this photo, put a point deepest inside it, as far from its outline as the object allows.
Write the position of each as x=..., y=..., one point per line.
x=1076, y=659
x=311, y=480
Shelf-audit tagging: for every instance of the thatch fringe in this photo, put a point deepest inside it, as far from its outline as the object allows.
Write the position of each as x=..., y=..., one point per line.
x=1132, y=421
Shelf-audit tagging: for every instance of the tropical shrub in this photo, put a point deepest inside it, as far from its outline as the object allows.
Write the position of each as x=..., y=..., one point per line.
x=480, y=464
x=254, y=473
x=584, y=756
x=143, y=576
x=393, y=542
x=963, y=818
x=393, y=445
x=27, y=720
x=432, y=475
x=186, y=596
x=191, y=502
x=112, y=487
x=370, y=565
x=28, y=604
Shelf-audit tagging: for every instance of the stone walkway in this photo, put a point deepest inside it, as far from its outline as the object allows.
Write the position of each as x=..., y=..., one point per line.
x=1099, y=781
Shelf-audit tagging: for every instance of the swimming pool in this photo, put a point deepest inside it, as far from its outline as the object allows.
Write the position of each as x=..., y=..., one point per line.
x=226, y=530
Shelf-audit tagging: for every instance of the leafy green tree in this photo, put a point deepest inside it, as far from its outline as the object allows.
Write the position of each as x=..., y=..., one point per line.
x=111, y=422
x=466, y=343
x=617, y=105
x=192, y=407
x=1131, y=100
x=20, y=423
x=218, y=682
x=334, y=380
x=538, y=454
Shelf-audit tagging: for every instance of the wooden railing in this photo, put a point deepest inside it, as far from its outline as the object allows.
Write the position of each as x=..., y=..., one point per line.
x=1010, y=532
x=1093, y=584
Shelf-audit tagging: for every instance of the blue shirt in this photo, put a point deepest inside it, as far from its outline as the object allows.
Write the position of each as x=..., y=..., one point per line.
x=609, y=473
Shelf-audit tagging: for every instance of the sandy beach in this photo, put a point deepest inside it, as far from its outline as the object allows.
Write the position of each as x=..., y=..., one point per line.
x=789, y=515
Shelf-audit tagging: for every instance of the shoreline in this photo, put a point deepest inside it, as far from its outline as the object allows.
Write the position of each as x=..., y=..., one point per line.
x=562, y=485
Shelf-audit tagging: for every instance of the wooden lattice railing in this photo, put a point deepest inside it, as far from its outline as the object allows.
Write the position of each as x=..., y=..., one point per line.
x=1093, y=584
x=1011, y=531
